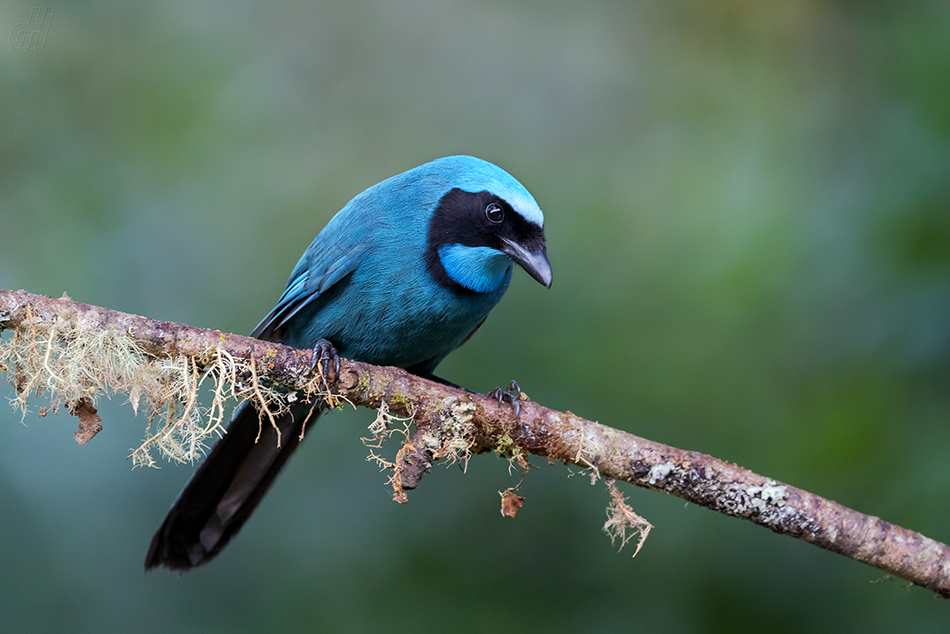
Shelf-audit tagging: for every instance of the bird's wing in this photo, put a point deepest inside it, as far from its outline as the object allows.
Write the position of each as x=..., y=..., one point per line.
x=325, y=263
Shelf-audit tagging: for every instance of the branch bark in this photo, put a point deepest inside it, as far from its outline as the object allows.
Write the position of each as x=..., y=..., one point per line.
x=556, y=436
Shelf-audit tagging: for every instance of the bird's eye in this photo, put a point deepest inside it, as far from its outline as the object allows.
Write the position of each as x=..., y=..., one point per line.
x=494, y=212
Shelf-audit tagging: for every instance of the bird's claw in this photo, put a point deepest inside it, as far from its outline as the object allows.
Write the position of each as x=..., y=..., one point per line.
x=511, y=395
x=326, y=361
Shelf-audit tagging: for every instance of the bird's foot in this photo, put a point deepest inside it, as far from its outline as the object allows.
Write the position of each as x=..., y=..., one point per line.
x=326, y=361
x=511, y=395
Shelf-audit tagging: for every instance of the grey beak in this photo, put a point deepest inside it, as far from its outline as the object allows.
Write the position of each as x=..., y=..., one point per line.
x=534, y=262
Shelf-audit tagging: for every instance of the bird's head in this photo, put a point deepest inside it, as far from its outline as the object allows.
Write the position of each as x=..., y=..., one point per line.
x=484, y=221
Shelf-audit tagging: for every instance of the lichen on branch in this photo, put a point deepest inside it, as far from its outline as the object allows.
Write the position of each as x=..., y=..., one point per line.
x=68, y=351
x=74, y=359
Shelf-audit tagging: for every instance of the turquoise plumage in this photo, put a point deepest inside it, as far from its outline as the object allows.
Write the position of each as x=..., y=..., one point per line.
x=401, y=276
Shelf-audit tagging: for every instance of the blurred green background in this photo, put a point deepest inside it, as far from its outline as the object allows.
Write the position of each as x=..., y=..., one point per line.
x=748, y=216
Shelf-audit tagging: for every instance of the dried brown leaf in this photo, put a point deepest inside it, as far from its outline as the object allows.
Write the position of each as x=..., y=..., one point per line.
x=510, y=503
x=89, y=419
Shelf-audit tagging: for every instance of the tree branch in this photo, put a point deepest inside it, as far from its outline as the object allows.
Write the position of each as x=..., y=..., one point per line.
x=449, y=423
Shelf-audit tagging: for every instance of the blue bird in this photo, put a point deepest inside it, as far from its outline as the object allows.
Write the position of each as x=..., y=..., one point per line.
x=401, y=276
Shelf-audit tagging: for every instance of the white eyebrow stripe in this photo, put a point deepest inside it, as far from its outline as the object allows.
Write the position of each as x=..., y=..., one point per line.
x=479, y=175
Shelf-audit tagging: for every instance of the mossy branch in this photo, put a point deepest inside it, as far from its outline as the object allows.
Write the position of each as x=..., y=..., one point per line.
x=74, y=353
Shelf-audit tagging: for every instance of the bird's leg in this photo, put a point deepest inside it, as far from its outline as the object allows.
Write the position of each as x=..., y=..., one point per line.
x=326, y=362
x=511, y=395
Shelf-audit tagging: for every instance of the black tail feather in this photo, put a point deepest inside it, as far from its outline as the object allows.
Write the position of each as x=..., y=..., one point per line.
x=226, y=488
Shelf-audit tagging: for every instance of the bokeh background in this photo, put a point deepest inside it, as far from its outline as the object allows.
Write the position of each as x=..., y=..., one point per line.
x=748, y=217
